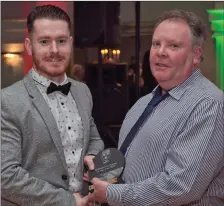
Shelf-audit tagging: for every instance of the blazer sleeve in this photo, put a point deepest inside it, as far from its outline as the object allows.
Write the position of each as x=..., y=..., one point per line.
x=194, y=159
x=17, y=185
x=95, y=142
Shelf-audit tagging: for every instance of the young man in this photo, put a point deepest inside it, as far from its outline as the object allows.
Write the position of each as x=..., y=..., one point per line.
x=175, y=152
x=48, y=132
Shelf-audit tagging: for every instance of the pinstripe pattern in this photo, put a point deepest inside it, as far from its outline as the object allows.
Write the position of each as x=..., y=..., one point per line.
x=177, y=157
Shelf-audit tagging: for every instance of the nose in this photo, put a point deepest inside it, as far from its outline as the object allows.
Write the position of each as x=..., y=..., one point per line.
x=54, y=47
x=161, y=52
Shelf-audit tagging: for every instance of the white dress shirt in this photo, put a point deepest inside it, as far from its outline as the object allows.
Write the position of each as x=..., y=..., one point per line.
x=65, y=112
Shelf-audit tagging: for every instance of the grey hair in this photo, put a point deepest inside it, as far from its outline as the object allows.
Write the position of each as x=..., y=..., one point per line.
x=196, y=24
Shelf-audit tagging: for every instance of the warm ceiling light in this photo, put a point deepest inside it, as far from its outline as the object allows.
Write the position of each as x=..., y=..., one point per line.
x=9, y=55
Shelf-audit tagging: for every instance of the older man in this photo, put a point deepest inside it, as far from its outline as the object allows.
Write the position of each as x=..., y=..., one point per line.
x=173, y=138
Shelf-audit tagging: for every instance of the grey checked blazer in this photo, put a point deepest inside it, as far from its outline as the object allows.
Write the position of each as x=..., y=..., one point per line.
x=33, y=166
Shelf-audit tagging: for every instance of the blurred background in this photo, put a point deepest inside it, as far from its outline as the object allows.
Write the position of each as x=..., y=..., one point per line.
x=111, y=48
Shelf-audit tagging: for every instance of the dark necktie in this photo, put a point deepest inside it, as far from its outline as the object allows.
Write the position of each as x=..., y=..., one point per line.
x=62, y=88
x=153, y=103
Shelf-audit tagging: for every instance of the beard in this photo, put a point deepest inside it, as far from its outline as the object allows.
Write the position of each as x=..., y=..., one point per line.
x=47, y=68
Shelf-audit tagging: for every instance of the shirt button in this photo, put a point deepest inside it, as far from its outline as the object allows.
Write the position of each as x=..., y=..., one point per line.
x=62, y=103
x=69, y=128
x=64, y=177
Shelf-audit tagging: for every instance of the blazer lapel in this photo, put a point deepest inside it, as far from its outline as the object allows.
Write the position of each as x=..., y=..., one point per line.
x=42, y=106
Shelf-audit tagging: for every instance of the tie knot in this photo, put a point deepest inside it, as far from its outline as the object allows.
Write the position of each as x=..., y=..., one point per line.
x=62, y=88
x=158, y=97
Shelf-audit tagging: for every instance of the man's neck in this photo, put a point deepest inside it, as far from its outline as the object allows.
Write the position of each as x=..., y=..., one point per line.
x=166, y=86
x=58, y=79
x=164, y=92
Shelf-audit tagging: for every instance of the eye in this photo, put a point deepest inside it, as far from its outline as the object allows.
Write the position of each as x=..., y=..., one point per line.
x=155, y=43
x=62, y=41
x=174, y=46
x=44, y=41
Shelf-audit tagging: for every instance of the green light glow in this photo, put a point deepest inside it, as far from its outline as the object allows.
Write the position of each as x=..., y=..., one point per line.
x=220, y=61
x=217, y=25
x=216, y=18
x=216, y=14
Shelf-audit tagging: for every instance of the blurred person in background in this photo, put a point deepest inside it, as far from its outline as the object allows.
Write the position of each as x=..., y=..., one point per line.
x=149, y=80
x=78, y=72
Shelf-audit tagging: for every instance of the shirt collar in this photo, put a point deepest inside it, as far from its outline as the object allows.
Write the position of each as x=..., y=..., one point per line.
x=45, y=81
x=178, y=91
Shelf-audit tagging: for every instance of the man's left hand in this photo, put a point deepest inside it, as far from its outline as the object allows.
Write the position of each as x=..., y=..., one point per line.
x=99, y=193
x=88, y=161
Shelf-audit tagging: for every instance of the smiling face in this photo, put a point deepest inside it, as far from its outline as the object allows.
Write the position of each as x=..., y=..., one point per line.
x=173, y=56
x=50, y=45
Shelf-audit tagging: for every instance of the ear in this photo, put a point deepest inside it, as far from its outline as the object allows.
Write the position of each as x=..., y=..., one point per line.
x=71, y=40
x=28, y=46
x=197, y=55
x=71, y=43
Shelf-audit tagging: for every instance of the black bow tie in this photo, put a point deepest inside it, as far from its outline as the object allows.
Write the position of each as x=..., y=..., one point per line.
x=62, y=88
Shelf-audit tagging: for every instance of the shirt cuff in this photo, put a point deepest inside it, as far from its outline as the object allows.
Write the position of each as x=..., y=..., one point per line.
x=114, y=194
x=92, y=152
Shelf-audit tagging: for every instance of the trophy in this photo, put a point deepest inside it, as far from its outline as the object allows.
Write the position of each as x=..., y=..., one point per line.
x=109, y=165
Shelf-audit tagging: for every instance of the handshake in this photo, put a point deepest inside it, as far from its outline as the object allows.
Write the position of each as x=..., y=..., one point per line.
x=99, y=194
x=107, y=166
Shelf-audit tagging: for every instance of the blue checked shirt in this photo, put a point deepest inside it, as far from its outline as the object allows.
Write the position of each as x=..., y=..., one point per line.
x=177, y=157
